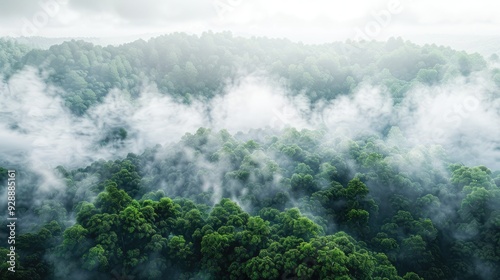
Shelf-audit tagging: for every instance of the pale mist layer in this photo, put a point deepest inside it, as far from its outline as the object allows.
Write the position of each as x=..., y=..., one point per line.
x=39, y=131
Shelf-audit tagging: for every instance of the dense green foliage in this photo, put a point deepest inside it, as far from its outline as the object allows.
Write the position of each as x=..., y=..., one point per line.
x=263, y=204
x=378, y=223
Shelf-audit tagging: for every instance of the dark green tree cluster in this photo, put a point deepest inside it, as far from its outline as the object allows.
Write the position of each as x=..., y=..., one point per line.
x=153, y=238
x=371, y=212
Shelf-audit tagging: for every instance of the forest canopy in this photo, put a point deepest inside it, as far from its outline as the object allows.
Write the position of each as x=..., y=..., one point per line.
x=266, y=203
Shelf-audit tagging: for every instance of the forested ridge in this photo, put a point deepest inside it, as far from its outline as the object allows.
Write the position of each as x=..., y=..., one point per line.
x=260, y=204
x=188, y=66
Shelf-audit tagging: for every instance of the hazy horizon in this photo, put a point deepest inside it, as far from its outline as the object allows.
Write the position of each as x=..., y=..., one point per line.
x=458, y=25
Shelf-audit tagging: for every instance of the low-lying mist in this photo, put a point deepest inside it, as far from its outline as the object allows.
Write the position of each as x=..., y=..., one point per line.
x=460, y=115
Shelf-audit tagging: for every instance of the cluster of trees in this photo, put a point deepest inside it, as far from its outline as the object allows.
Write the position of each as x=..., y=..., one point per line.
x=188, y=66
x=151, y=238
x=278, y=206
x=10, y=56
x=265, y=204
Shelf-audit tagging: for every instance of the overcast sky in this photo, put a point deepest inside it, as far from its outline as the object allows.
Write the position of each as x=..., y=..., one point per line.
x=307, y=21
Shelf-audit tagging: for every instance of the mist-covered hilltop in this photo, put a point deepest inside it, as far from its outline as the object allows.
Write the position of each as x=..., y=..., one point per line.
x=187, y=66
x=219, y=157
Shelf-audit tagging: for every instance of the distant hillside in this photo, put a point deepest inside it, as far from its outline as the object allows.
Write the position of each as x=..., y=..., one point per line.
x=189, y=66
